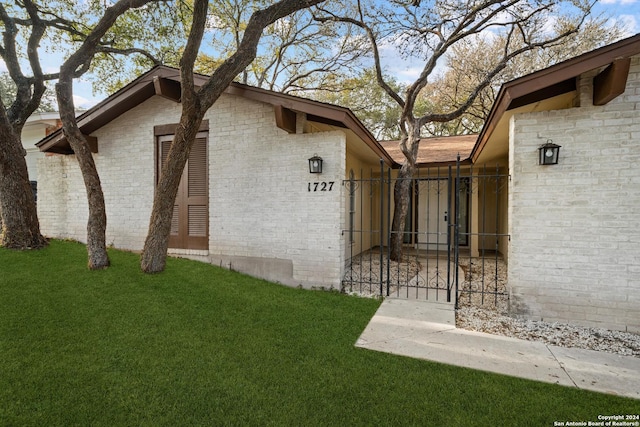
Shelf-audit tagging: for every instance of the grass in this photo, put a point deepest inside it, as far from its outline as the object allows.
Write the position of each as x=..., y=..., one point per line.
x=199, y=345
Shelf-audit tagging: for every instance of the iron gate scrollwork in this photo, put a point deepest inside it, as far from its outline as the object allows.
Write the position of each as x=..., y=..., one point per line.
x=455, y=239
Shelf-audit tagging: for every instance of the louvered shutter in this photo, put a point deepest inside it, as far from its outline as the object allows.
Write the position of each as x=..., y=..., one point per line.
x=165, y=145
x=198, y=212
x=190, y=217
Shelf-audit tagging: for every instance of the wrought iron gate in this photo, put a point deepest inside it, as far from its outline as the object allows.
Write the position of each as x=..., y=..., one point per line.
x=455, y=237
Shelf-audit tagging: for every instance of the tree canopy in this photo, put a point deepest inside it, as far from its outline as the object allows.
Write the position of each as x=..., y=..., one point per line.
x=428, y=31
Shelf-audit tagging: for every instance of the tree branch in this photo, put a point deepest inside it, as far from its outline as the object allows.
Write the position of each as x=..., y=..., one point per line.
x=374, y=46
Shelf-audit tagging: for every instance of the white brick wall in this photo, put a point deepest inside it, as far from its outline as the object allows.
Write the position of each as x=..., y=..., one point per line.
x=260, y=208
x=125, y=162
x=575, y=248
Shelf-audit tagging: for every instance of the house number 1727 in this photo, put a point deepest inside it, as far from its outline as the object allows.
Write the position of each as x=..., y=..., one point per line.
x=321, y=186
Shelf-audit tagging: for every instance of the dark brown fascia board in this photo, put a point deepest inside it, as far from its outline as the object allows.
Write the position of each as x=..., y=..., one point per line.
x=159, y=77
x=556, y=89
x=363, y=133
x=124, y=99
x=321, y=112
x=611, y=82
x=555, y=74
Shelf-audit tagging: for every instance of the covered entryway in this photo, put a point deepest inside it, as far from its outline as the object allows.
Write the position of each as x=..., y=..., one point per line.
x=190, y=220
x=433, y=214
x=456, y=247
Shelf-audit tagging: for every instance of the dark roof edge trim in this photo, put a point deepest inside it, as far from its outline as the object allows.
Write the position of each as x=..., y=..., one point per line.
x=554, y=74
x=138, y=86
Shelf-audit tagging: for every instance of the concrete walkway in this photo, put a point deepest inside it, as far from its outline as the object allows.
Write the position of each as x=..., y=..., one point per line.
x=426, y=330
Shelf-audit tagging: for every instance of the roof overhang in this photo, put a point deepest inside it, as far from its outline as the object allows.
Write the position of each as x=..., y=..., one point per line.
x=165, y=82
x=555, y=86
x=436, y=151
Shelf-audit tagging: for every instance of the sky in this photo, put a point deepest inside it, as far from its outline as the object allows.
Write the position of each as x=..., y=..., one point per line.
x=404, y=70
x=627, y=11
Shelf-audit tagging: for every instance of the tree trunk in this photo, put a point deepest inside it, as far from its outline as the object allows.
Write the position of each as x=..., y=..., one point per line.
x=154, y=254
x=195, y=102
x=401, y=198
x=18, y=213
x=97, y=222
x=402, y=190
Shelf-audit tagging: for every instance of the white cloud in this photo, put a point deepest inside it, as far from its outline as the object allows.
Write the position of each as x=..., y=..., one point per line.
x=628, y=22
x=408, y=74
x=621, y=2
x=84, y=103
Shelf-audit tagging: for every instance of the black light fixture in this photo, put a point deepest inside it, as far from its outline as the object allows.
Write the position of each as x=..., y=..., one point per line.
x=549, y=153
x=315, y=164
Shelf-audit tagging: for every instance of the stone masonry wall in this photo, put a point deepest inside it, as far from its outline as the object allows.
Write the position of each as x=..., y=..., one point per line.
x=574, y=254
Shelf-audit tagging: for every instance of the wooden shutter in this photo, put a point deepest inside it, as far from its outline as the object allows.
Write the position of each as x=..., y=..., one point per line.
x=165, y=145
x=197, y=194
x=190, y=218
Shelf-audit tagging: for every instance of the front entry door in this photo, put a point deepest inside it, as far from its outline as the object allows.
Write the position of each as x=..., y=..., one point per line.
x=433, y=214
x=190, y=220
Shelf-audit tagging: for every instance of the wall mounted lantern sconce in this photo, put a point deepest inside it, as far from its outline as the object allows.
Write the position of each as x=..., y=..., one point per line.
x=549, y=153
x=315, y=164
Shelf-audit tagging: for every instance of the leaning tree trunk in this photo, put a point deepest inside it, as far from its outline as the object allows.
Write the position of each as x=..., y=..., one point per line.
x=97, y=222
x=401, y=197
x=18, y=213
x=402, y=189
x=154, y=254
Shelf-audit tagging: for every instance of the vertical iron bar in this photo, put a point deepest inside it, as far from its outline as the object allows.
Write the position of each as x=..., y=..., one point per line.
x=381, y=226
x=469, y=190
x=497, y=234
x=426, y=222
x=484, y=228
x=437, y=246
x=388, y=224
x=415, y=231
x=389, y=201
x=449, y=212
x=360, y=232
x=456, y=230
x=350, y=254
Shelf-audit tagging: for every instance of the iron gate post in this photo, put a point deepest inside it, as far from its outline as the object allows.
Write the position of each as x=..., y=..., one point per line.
x=456, y=231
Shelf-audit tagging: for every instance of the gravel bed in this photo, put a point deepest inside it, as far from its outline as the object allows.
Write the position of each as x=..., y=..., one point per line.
x=483, y=306
x=559, y=334
x=488, y=313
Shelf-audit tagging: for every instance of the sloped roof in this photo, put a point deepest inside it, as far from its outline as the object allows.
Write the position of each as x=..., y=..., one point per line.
x=436, y=150
x=530, y=89
x=165, y=81
x=557, y=80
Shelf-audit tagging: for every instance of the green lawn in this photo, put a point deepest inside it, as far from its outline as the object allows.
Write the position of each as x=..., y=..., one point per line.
x=198, y=345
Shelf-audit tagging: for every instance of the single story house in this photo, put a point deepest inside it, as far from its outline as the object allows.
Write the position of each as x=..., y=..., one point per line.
x=574, y=249
x=248, y=200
